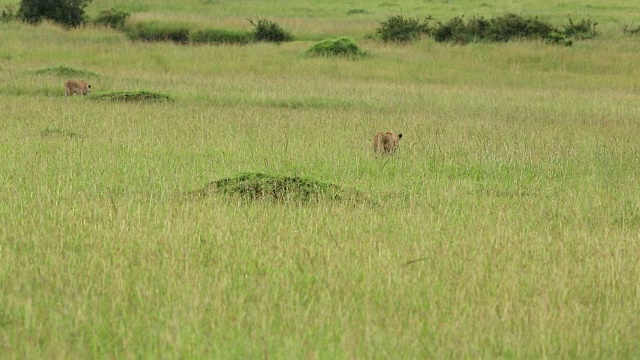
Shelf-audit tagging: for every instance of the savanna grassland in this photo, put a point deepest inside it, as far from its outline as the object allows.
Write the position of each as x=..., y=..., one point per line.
x=507, y=225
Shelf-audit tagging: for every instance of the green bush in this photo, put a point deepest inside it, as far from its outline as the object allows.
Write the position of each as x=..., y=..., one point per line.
x=155, y=31
x=112, y=18
x=216, y=36
x=336, y=47
x=269, y=31
x=401, y=29
x=585, y=29
x=69, y=13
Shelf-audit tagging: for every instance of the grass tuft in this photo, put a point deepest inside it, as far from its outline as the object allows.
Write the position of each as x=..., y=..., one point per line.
x=132, y=96
x=259, y=186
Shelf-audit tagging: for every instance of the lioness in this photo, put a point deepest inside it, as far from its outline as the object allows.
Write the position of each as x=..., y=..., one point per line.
x=386, y=143
x=73, y=87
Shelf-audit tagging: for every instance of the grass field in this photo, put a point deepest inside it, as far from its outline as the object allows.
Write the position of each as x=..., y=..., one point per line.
x=507, y=226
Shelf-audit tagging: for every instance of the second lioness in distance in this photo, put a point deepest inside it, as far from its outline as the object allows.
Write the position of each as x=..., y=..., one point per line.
x=386, y=143
x=73, y=87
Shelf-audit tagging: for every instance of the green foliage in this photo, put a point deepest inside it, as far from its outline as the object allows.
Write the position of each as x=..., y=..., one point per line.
x=269, y=31
x=64, y=71
x=132, y=96
x=585, y=29
x=508, y=27
x=259, y=186
x=219, y=36
x=336, y=47
x=69, y=13
x=8, y=14
x=400, y=29
x=113, y=18
x=502, y=28
x=157, y=31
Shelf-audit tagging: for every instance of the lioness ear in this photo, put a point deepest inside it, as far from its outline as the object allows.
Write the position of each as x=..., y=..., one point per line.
x=400, y=136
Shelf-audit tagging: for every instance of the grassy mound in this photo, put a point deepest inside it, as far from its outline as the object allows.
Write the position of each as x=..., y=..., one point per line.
x=65, y=71
x=132, y=96
x=336, y=47
x=257, y=186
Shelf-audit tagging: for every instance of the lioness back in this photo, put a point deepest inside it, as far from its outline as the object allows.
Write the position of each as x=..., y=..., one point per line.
x=72, y=87
x=386, y=143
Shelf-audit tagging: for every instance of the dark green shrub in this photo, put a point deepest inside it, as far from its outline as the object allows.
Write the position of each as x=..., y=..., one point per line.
x=155, y=31
x=512, y=26
x=585, y=29
x=69, y=13
x=269, y=31
x=336, y=47
x=401, y=29
x=454, y=31
x=112, y=18
x=216, y=36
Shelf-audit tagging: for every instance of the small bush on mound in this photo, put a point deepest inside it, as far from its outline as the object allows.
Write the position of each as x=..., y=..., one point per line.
x=269, y=31
x=155, y=31
x=64, y=71
x=258, y=186
x=112, y=18
x=401, y=29
x=216, y=36
x=128, y=96
x=336, y=47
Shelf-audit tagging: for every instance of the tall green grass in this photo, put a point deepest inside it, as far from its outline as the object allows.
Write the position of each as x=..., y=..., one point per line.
x=506, y=225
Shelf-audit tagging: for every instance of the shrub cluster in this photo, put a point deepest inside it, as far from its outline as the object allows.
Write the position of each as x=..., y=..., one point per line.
x=401, y=29
x=156, y=31
x=112, y=18
x=478, y=28
x=264, y=30
x=69, y=13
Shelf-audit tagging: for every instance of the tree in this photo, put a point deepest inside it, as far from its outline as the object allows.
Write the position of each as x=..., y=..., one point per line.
x=69, y=13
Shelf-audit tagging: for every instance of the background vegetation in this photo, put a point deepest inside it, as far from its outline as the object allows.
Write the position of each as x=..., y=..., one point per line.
x=506, y=226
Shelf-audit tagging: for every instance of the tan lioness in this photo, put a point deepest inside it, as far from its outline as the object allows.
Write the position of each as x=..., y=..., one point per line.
x=386, y=143
x=73, y=87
